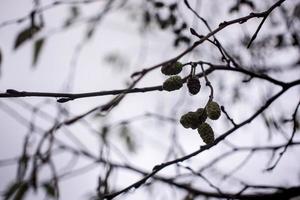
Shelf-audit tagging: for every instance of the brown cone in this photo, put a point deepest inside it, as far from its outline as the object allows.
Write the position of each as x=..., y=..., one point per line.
x=193, y=85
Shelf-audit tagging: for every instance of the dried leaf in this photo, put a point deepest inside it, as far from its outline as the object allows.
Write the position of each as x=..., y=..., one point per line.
x=74, y=13
x=158, y=4
x=147, y=18
x=34, y=178
x=126, y=136
x=104, y=133
x=296, y=12
x=49, y=189
x=10, y=190
x=16, y=190
x=189, y=196
x=25, y=35
x=38, y=45
x=182, y=39
x=22, y=167
x=173, y=7
x=21, y=192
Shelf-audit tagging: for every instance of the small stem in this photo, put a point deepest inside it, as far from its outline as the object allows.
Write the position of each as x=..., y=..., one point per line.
x=228, y=117
x=211, y=96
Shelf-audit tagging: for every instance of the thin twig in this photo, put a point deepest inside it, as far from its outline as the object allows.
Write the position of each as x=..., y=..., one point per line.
x=227, y=115
x=295, y=122
x=159, y=167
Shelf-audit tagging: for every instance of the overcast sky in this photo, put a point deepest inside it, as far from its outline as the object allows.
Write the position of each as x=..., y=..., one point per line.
x=118, y=34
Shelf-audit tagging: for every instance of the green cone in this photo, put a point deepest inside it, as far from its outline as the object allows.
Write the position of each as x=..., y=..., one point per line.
x=171, y=68
x=213, y=110
x=193, y=85
x=189, y=120
x=173, y=83
x=193, y=119
x=201, y=115
x=206, y=133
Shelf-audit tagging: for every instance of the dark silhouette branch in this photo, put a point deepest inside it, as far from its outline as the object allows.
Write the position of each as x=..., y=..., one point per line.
x=64, y=97
x=210, y=34
x=295, y=124
x=279, y=193
x=48, y=145
x=268, y=12
x=159, y=167
x=227, y=115
x=45, y=8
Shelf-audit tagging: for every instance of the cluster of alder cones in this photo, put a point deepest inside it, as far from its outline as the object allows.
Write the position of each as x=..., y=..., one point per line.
x=194, y=120
x=175, y=82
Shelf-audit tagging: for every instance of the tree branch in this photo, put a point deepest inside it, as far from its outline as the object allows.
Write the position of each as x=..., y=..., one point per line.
x=65, y=97
x=159, y=167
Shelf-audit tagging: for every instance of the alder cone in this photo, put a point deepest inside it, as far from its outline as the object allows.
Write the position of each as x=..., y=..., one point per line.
x=206, y=133
x=193, y=119
x=193, y=85
x=202, y=116
x=213, y=110
x=171, y=68
x=190, y=120
x=173, y=83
